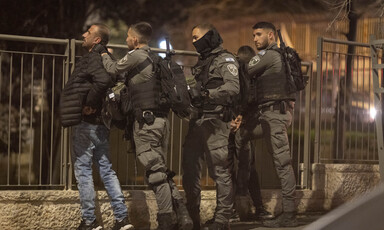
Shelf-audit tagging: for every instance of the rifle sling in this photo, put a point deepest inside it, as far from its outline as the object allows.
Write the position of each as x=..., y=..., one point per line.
x=140, y=67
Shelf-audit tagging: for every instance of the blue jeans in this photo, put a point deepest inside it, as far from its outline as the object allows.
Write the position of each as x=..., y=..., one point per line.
x=90, y=143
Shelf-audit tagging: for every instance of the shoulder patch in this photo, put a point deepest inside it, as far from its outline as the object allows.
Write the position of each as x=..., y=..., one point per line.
x=124, y=59
x=254, y=60
x=230, y=59
x=233, y=69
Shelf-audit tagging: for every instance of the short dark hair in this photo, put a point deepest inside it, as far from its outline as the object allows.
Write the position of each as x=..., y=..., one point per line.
x=144, y=30
x=245, y=53
x=205, y=26
x=265, y=25
x=103, y=32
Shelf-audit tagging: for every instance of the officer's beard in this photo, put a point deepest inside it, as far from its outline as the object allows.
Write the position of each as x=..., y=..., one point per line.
x=208, y=42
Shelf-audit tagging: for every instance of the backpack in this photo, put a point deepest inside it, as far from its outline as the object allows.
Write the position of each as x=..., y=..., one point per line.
x=297, y=81
x=173, y=84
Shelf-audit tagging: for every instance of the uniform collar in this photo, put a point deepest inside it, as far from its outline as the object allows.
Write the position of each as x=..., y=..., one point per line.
x=271, y=46
x=217, y=50
x=146, y=48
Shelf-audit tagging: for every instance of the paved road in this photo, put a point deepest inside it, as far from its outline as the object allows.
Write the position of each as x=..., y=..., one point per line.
x=302, y=219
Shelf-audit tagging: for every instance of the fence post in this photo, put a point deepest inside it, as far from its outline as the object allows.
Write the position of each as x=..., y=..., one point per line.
x=307, y=131
x=319, y=75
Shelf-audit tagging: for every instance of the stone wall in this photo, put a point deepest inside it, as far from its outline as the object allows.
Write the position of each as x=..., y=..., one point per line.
x=50, y=209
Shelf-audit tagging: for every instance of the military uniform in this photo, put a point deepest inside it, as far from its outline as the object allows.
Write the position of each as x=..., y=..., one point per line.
x=271, y=117
x=151, y=130
x=207, y=137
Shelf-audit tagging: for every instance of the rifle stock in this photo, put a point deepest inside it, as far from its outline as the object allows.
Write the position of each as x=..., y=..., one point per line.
x=282, y=44
x=283, y=47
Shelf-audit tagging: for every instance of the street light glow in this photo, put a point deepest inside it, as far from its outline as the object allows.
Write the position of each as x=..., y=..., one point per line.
x=372, y=113
x=163, y=45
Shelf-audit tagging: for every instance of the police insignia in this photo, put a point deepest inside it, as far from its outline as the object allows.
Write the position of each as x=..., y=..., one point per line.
x=233, y=69
x=254, y=60
x=124, y=59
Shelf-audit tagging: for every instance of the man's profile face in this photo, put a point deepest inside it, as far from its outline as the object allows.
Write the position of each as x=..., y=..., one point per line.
x=262, y=38
x=131, y=39
x=91, y=38
x=198, y=33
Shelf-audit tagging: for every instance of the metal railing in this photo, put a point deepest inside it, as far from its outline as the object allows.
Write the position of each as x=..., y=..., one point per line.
x=344, y=120
x=37, y=150
x=30, y=81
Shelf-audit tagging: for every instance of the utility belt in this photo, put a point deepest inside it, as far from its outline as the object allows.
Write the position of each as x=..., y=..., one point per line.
x=281, y=106
x=225, y=115
x=148, y=116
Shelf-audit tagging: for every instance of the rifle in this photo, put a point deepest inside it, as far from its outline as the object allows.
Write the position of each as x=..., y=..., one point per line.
x=283, y=48
x=168, y=52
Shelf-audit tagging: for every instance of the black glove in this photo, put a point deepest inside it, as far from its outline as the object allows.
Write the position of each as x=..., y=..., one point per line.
x=98, y=48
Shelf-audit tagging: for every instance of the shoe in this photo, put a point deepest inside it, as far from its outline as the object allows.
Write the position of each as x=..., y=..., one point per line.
x=122, y=225
x=262, y=214
x=217, y=226
x=92, y=226
x=184, y=221
x=285, y=219
x=234, y=217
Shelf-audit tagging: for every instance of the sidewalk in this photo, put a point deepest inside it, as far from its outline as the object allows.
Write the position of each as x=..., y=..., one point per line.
x=304, y=219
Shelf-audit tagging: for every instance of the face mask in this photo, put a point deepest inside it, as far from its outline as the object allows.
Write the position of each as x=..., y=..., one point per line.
x=208, y=42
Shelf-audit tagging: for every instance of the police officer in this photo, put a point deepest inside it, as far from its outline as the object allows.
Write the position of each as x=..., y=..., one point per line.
x=151, y=126
x=216, y=75
x=270, y=114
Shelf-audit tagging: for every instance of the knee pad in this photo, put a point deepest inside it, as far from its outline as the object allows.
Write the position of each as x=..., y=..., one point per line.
x=157, y=178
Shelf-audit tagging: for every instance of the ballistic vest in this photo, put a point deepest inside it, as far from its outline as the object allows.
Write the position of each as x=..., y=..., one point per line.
x=148, y=96
x=273, y=86
x=201, y=72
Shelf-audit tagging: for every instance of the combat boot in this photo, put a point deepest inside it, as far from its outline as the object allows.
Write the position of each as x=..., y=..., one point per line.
x=285, y=219
x=164, y=221
x=184, y=221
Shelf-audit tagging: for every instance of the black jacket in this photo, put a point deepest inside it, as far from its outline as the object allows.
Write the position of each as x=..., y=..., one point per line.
x=86, y=87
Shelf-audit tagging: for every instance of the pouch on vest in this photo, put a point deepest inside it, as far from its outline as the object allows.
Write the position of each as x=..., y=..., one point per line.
x=116, y=105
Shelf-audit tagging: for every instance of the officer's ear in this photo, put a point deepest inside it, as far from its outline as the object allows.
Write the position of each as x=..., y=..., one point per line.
x=97, y=40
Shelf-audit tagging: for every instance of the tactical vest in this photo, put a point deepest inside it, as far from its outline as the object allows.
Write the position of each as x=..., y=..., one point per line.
x=273, y=87
x=148, y=96
x=201, y=72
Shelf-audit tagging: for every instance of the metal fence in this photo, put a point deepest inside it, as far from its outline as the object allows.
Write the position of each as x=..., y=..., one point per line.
x=344, y=121
x=331, y=118
x=32, y=153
